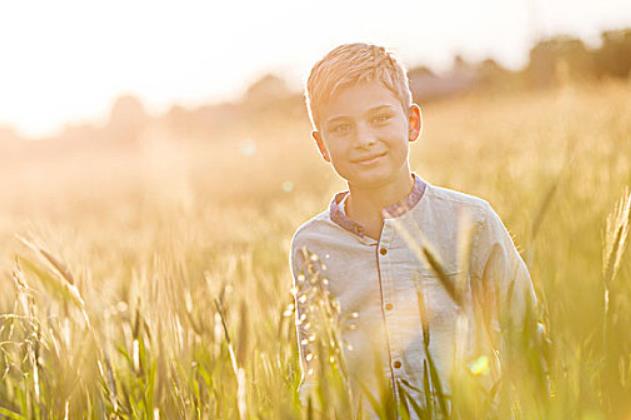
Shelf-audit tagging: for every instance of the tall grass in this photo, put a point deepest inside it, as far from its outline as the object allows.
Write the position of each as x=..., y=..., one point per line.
x=158, y=286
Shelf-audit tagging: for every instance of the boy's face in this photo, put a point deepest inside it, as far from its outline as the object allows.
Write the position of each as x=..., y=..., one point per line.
x=364, y=133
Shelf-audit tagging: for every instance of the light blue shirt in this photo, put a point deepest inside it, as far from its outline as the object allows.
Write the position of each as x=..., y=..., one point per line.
x=378, y=284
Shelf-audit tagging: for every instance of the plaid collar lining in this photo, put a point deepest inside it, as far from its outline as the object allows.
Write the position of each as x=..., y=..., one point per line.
x=337, y=214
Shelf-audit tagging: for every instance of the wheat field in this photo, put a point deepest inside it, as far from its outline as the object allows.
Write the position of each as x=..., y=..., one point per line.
x=153, y=282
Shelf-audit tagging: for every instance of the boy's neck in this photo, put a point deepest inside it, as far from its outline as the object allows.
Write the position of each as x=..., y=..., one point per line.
x=365, y=205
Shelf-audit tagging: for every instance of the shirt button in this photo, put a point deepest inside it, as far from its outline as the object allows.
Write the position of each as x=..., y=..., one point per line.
x=383, y=251
x=389, y=306
x=397, y=364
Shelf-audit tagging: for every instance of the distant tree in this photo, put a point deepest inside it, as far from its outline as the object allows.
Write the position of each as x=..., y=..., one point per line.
x=490, y=73
x=178, y=121
x=459, y=64
x=548, y=56
x=8, y=135
x=80, y=133
x=614, y=57
x=420, y=71
x=267, y=89
x=127, y=119
x=10, y=142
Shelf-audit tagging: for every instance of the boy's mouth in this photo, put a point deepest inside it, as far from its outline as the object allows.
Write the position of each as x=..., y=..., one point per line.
x=370, y=160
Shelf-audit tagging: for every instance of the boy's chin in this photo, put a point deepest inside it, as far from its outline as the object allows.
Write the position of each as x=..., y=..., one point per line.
x=368, y=180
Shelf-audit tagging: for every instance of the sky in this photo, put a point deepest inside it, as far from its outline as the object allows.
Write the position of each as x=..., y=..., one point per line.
x=67, y=61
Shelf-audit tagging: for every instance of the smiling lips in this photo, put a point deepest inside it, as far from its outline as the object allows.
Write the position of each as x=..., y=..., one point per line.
x=369, y=160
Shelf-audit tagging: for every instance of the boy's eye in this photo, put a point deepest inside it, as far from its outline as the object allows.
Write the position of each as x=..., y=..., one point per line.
x=341, y=129
x=381, y=118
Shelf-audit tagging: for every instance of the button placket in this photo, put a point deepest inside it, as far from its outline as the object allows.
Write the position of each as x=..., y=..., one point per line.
x=384, y=254
x=383, y=251
x=386, y=294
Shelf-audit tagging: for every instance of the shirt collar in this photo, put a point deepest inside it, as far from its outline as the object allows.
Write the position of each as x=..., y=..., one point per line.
x=338, y=215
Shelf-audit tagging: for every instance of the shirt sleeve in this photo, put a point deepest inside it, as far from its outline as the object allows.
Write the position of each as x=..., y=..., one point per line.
x=503, y=272
x=297, y=266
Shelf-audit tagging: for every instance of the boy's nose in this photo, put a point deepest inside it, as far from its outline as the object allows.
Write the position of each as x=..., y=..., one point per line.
x=365, y=135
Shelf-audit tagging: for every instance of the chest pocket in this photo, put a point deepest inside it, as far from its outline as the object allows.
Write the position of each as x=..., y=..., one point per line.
x=440, y=300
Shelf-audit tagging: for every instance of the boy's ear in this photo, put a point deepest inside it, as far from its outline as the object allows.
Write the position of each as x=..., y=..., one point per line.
x=318, y=139
x=415, y=122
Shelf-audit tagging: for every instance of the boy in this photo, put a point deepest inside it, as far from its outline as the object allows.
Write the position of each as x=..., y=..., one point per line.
x=393, y=246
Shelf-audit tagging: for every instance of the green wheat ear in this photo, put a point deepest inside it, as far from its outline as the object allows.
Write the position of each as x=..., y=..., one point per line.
x=616, y=236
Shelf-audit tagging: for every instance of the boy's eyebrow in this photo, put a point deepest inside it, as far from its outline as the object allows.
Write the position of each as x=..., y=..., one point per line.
x=379, y=108
x=370, y=111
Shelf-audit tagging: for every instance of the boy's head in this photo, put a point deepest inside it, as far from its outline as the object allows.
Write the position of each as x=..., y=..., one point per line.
x=348, y=64
x=360, y=106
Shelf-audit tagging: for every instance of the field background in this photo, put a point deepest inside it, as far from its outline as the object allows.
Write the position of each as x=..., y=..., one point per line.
x=152, y=233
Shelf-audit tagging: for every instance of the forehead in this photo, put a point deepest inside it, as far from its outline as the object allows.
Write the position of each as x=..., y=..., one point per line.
x=357, y=99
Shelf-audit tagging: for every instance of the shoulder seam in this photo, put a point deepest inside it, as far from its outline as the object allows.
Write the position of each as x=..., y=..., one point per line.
x=474, y=201
x=322, y=216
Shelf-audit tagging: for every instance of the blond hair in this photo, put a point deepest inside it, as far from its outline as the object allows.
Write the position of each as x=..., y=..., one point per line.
x=348, y=64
